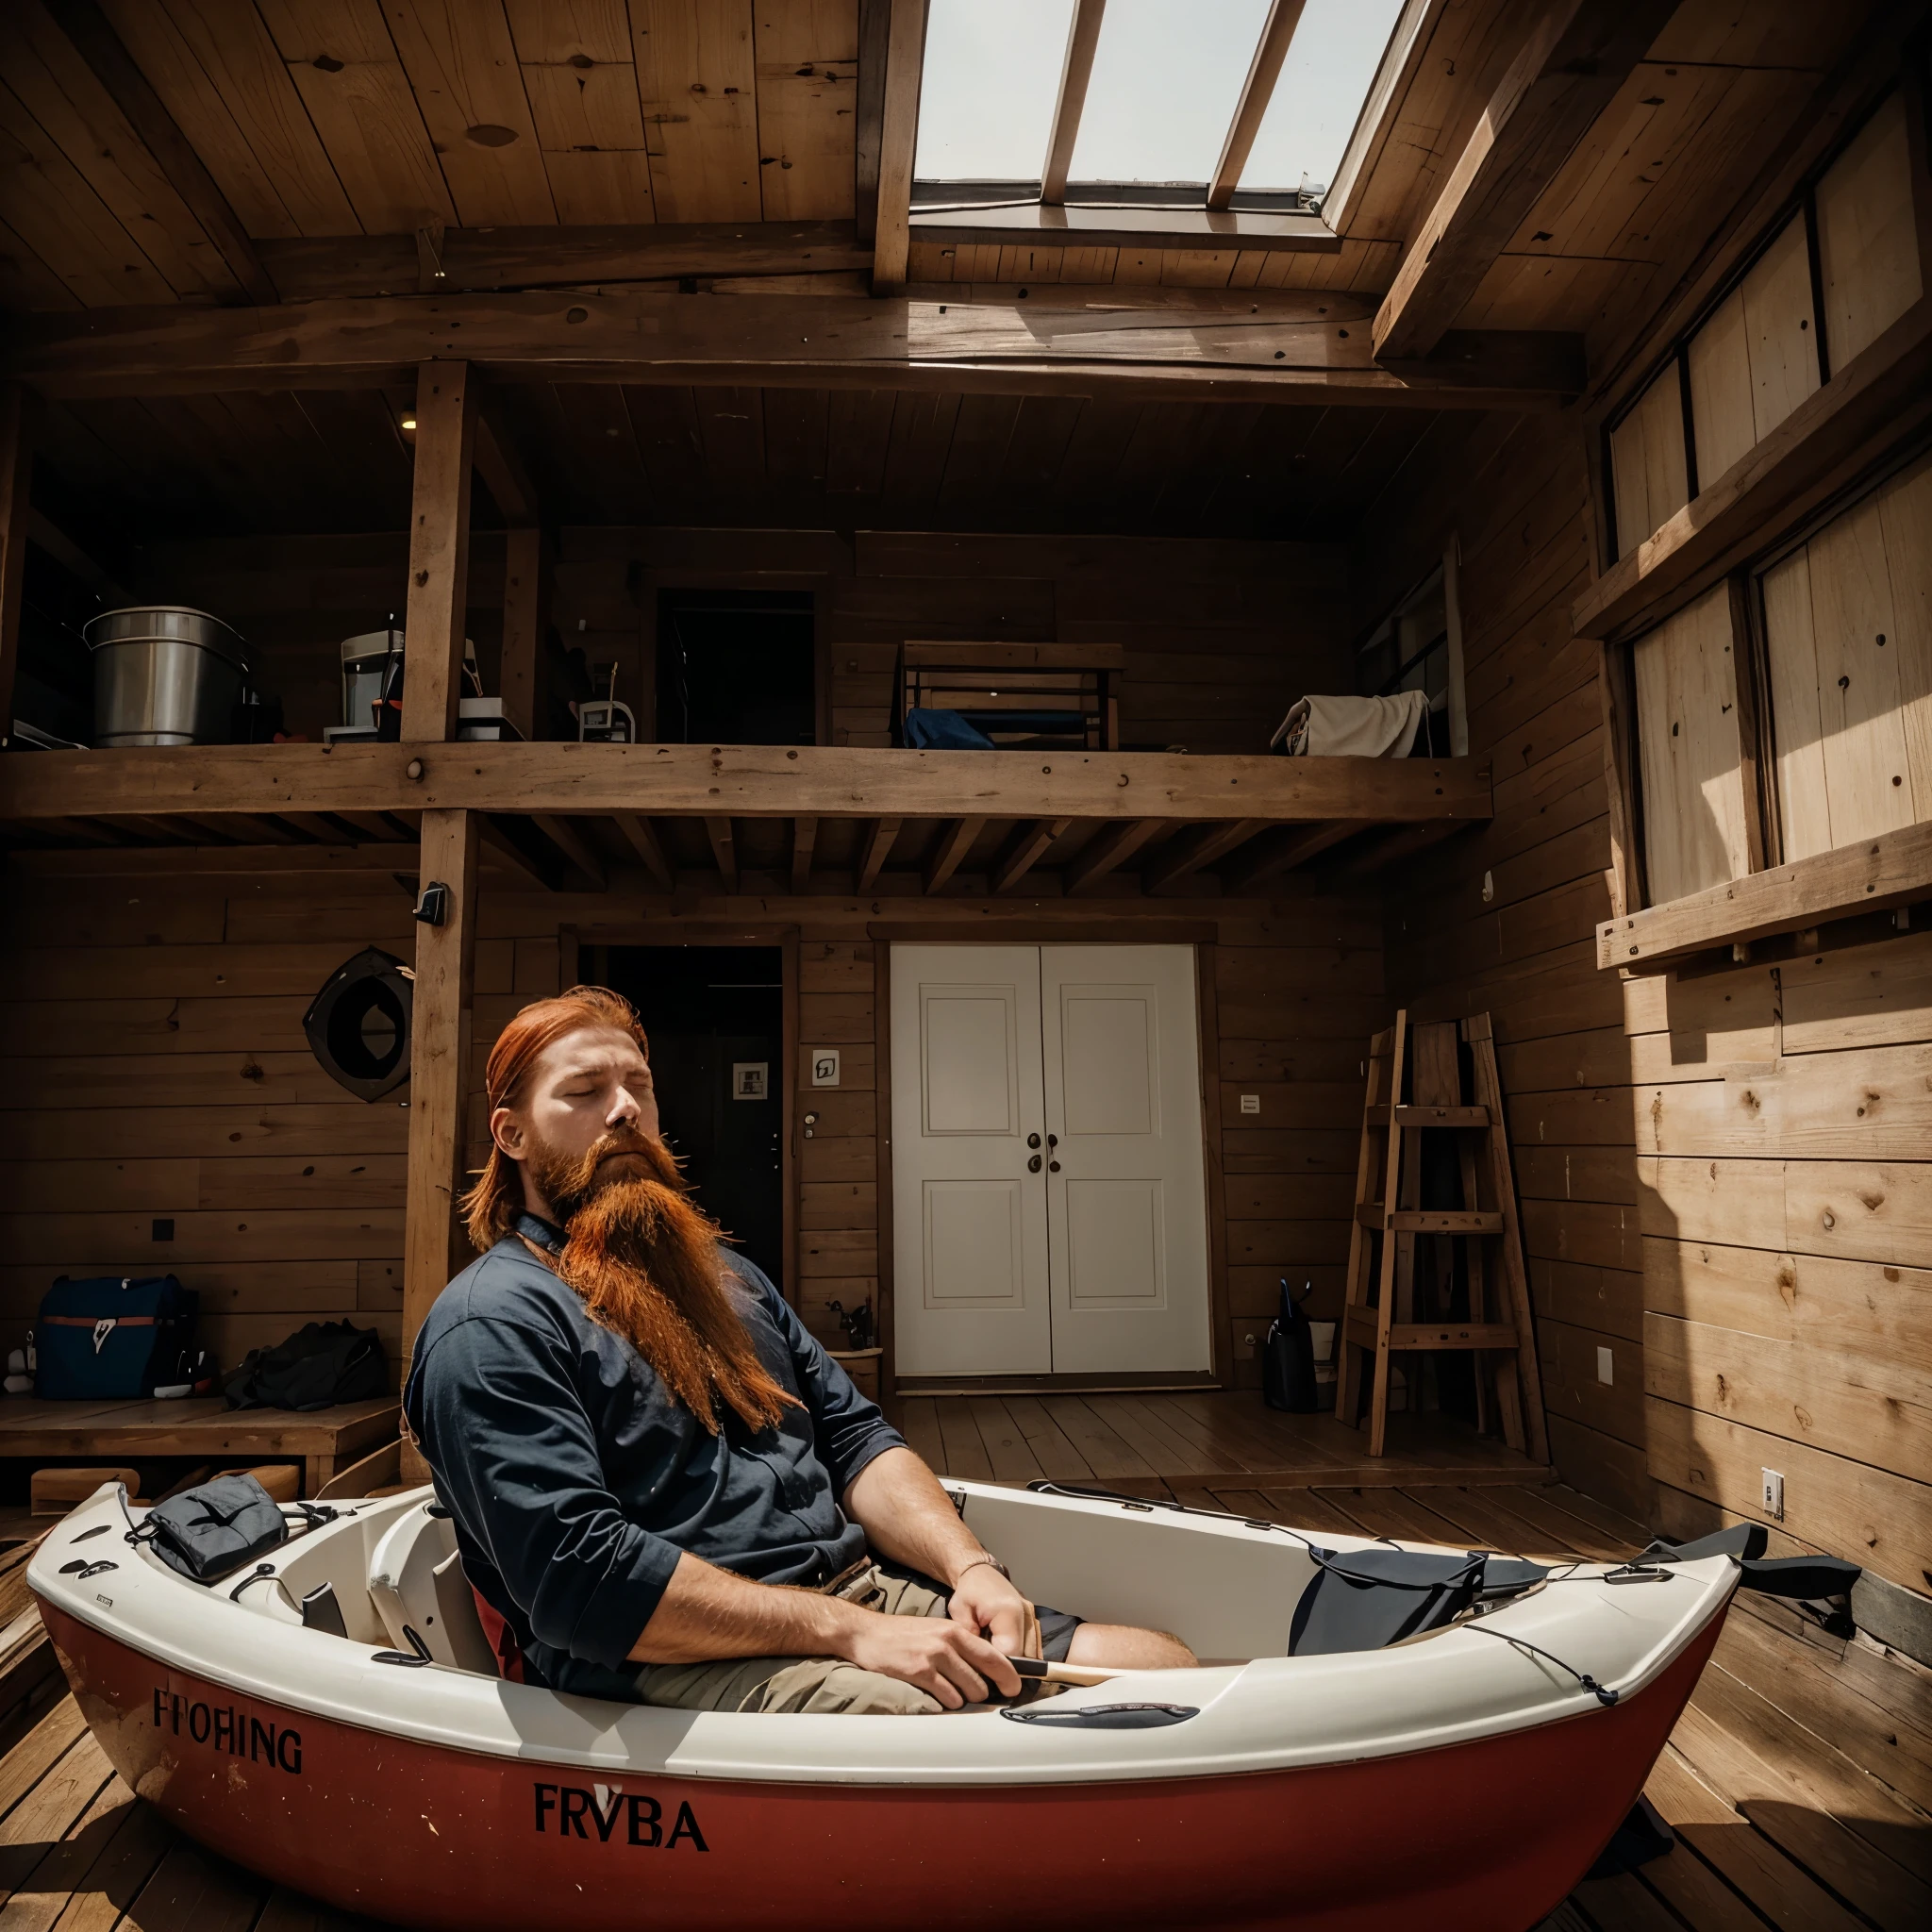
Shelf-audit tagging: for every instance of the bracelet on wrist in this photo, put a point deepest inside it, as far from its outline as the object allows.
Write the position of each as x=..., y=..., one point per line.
x=992, y=1562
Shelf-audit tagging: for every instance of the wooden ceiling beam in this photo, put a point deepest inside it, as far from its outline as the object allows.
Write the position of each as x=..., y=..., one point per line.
x=738, y=781
x=879, y=843
x=333, y=267
x=1027, y=851
x=955, y=842
x=1278, y=346
x=1111, y=851
x=1291, y=849
x=569, y=841
x=724, y=850
x=501, y=470
x=1395, y=843
x=94, y=40
x=1212, y=842
x=641, y=839
x=804, y=835
x=504, y=855
x=1264, y=70
x=1577, y=54
x=898, y=138
x=1076, y=70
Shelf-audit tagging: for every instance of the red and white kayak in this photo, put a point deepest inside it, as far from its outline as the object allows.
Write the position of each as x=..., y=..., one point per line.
x=1451, y=1773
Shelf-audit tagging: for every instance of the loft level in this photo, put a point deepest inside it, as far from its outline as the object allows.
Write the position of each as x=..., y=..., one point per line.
x=560, y=810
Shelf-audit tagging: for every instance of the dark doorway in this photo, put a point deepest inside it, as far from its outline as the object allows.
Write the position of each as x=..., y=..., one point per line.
x=715, y=1017
x=735, y=667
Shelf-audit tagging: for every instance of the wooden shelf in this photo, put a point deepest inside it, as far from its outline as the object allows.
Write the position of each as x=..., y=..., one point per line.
x=744, y=781
x=1872, y=876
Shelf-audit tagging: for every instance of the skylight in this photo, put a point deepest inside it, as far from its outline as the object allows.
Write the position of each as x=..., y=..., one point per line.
x=1330, y=67
x=1163, y=100
x=993, y=73
x=1166, y=79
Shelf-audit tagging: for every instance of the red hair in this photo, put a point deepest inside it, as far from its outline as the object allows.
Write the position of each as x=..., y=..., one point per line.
x=491, y=1207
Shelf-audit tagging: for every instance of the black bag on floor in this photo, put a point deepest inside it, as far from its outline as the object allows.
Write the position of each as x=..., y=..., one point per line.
x=1288, y=1357
x=211, y=1530
x=320, y=1365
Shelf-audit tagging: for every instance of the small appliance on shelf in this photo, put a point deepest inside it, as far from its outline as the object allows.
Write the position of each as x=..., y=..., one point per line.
x=373, y=673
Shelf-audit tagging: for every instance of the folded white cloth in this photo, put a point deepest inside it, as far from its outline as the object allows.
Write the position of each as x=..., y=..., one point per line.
x=1340, y=728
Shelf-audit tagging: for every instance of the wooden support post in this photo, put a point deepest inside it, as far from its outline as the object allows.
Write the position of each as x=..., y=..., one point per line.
x=525, y=587
x=439, y=1069
x=439, y=551
x=804, y=836
x=898, y=135
x=18, y=409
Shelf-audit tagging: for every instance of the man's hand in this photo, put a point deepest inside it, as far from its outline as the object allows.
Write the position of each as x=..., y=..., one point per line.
x=943, y=1659
x=985, y=1600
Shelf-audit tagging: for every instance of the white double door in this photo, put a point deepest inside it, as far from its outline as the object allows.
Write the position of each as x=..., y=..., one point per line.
x=1049, y=1198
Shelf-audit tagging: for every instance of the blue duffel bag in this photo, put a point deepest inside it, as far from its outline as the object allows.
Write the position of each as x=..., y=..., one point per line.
x=114, y=1338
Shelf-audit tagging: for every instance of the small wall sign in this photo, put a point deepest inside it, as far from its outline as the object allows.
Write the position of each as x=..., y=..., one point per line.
x=751, y=1079
x=824, y=1066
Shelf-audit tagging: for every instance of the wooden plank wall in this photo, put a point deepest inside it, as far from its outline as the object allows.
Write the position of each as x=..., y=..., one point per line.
x=1221, y=637
x=155, y=1072
x=1515, y=495
x=157, y=1067
x=1725, y=1177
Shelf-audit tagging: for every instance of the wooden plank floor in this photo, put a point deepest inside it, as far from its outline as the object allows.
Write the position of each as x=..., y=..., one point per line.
x=1156, y=1443
x=1799, y=1781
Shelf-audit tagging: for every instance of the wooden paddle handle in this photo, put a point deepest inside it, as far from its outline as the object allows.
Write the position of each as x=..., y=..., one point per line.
x=1063, y=1673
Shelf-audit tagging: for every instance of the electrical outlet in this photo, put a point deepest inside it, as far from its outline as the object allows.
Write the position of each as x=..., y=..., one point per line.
x=1606, y=1366
x=1773, y=1497
x=1251, y=1102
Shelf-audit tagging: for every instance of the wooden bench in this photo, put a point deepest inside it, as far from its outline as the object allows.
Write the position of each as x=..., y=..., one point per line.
x=323, y=1440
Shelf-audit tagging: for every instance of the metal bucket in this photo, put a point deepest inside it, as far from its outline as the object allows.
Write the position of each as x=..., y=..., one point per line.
x=165, y=675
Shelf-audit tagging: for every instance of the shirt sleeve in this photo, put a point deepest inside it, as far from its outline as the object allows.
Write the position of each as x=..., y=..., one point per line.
x=516, y=1459
x=848, y=1428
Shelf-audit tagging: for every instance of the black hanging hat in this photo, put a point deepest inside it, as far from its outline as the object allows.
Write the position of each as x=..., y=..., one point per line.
x=373, y=985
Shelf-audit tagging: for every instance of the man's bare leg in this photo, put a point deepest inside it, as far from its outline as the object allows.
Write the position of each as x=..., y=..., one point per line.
x=1121, y=1647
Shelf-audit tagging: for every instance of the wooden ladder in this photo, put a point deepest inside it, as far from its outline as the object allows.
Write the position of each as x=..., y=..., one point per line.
x=1388, y=1197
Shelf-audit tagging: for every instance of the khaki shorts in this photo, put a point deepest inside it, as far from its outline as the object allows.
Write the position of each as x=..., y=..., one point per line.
x=820, y=1686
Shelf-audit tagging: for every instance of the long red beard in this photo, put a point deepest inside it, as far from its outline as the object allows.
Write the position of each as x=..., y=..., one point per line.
x=645, y=1260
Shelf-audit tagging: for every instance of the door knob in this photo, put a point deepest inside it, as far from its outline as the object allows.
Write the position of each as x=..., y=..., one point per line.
x=1033, y=1139
x=1052, y=1167
x=1053, y=1139
x=1033, y=1165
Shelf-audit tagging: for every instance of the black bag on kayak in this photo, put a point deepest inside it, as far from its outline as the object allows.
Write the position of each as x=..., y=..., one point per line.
x=320, y=1365
x=1369, y=1599
x=211, y=1530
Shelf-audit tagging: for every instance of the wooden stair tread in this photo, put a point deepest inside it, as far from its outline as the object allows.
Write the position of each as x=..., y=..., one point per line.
x=1362, y=1331
x=1441, y=1116
x=1430, y=1220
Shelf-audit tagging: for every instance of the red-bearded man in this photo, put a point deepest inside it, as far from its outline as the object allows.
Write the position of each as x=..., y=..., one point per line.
x=662, y=1488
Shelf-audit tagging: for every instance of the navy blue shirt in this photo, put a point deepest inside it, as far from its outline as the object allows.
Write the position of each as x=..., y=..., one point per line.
x=576, y=1479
